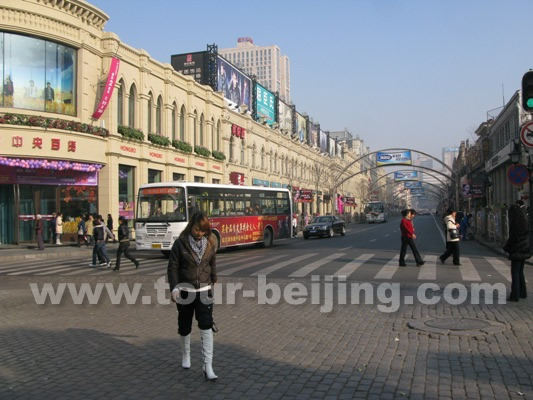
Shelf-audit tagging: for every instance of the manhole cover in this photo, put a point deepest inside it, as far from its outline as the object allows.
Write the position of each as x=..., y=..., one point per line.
x=457, y=324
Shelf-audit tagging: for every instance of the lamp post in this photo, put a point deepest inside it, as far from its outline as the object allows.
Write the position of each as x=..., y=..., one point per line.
x=515, y=157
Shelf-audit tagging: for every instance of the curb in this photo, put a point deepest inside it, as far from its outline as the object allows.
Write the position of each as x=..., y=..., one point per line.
x=496, y=250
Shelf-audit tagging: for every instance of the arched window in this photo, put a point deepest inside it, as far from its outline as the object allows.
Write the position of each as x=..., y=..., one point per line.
x=271, y=157
x=195, y=129
x=282, y=163
x=213, y=136
x=131, y=107
x=231, y=144
x=276, y=163
x=149, y=113
x=182, y=123
x=174, y=108
x=158, y=116
x=218, y=136
x=120, y=103
x=243, y=148
x=253, y=156
x=262, y=158
x=201, y=131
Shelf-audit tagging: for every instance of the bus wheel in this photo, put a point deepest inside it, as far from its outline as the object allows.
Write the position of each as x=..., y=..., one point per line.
x=268, y=238
x=166, y=253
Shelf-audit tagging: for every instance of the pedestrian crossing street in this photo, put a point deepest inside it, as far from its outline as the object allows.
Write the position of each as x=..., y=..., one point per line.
x=365, y=266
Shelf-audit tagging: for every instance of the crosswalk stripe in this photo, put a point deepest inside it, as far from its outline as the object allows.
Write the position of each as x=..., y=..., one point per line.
x=38, y=270
x=372, y=240
x=501, y=267
x=161, y=267
x=428, y=271
x=352, y=266
x=33, y=265
x=280, y=265
x=304, y=271
x=230, y=271
x=468, y=272
x=70, y=268
x=389, y=269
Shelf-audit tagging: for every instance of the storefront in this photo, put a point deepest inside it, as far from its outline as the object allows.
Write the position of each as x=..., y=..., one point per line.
x=39, y=186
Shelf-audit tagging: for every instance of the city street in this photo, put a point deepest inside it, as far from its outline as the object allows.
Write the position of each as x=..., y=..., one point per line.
x=309, y=339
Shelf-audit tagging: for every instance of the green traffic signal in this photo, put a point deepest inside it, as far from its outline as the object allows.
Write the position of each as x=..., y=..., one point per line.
x=527, y=91
x=529, y=103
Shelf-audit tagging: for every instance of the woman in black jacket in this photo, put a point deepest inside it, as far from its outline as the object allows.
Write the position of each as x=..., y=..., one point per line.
x=192, y=272
x=518, y=248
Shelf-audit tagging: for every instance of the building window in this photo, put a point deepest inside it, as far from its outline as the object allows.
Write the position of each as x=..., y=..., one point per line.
x=131, y=107
x=216, y=181
x=174, y=121
x=262, y=158
x=199, y=179
x=231, y=144
x=158, y=117
x=253, y=156
x=195, y=130
x=37, y=74
x=243, y=147
x=178, y=177
x=120, y=104
x=149, y=114
x=201, y=130
x=154, y=176
x=182, y=123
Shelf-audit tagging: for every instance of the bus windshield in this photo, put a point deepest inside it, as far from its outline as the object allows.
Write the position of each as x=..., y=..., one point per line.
x=162, y=204
x=374, y=208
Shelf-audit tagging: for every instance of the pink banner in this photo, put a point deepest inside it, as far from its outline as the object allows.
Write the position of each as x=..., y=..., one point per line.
x=109, y=86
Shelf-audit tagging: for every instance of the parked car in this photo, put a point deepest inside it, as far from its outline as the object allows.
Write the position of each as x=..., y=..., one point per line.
x=324, y=226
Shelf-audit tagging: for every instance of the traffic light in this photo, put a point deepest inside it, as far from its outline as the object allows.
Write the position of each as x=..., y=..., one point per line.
x=527, y=91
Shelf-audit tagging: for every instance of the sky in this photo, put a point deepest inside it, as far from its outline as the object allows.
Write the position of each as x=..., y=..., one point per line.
x=419, y=74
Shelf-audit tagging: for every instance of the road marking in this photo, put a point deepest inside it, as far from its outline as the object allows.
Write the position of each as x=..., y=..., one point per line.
x=439, y=228
x=230, y=271
x=39, y=270
x=373, y=240
x=352, y=266
x=389, y=269
x=386, y=235
x=280, y=265
x=468, y=272
x=143, y=268
x=304, y=271
x=346, y=248
x=428, y=271
x=501, y=267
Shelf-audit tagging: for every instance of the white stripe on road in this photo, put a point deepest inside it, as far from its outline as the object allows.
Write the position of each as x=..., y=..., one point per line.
x=346, y=248
x=280, y=265
x=439, y=228
x=428, y=271
x=372, y=240
x=40, y=270
x=389, y=269
x=352, y=266
x=386, y=235
x=304, y=271
x=468, y=272
x=230, y=271
x=501, y=267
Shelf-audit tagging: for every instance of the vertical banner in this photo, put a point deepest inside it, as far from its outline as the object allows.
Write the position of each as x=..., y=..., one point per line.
x=109, y=86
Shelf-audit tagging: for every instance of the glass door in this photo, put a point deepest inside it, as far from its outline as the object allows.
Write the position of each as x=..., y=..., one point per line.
x=7, y=210
x=26, y=213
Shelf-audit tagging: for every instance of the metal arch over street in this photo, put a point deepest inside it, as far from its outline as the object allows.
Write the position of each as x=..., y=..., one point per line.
x=426, y=183
x=413, y=166
x=393, y=149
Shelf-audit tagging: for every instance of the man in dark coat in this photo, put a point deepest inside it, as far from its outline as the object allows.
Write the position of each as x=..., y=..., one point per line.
x=518, y=248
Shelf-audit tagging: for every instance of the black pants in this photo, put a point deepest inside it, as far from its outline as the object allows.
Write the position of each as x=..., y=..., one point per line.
x=518, y=281
x=124, y=247
x=409, y=241
x=198, y=304
x=451, y=248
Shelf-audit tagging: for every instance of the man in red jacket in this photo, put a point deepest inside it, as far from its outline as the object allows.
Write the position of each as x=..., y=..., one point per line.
x=408, y=238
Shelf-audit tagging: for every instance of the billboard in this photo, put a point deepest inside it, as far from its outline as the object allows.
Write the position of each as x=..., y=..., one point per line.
x=393, y=158
x=412, y=185
x=301, y=127
x=323, y=142
x=192, y=64
x=405, y=176
x=265, y=104
x=234, y=85
x=331, y=147
x=417, y=191
x=313, y=135
x=285, y=117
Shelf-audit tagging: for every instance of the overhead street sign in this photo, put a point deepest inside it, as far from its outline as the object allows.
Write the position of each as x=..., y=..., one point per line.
x=517, y=174
x=526, y=134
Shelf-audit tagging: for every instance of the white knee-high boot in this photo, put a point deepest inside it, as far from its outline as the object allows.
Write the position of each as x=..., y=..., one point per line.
x=186, y=351
x=207, y=351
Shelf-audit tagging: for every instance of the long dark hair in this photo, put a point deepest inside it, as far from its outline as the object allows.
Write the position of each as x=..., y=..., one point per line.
x=201, y=220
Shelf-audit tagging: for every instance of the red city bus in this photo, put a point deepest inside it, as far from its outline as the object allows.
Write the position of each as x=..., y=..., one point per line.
x=238, y=214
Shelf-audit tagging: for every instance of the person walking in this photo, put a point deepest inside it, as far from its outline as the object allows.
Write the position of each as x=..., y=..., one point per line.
x=452, y=237
x=99, y=248
x=109, y=224
x=124, y=244
x=294, y=225
x=518, y=248
x=52, y=228
x=82, y=232
x=191, y=274
x=39, y=231
x=89, y=226
x=59, y=228
x=408, y=238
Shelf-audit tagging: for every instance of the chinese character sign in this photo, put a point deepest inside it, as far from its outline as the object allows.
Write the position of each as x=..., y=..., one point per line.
x=265, y=104
x=108, y=89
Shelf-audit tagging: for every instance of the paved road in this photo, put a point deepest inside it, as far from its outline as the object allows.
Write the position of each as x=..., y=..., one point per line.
x=287, y=349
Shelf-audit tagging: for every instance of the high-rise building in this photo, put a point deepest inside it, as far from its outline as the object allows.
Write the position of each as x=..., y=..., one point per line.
x=271, y=68
x=449, y=154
